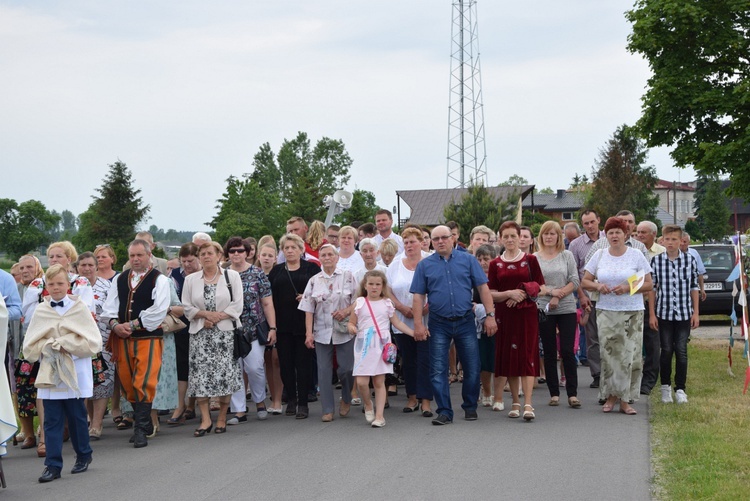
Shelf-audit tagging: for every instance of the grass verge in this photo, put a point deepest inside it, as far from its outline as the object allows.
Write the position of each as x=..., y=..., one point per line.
x=702, y=450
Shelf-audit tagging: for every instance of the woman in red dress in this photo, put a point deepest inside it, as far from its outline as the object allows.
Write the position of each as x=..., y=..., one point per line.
x=515, y=280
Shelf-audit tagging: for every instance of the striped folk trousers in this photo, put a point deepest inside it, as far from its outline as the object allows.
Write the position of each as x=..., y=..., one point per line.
x=138, y=366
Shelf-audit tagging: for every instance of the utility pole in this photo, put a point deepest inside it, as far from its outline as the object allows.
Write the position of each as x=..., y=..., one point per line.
x=467, y=152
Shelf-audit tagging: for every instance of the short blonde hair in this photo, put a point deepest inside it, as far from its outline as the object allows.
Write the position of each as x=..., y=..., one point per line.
x=294, y=238
x=108, y=249
x=215, y=245
x=350, y=230
x=389, y=247
x=551, y=226
x=55, y=270
x=481, y=229
x=68, y=249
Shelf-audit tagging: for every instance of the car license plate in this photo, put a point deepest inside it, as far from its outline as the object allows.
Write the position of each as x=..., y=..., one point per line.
x=713, y=286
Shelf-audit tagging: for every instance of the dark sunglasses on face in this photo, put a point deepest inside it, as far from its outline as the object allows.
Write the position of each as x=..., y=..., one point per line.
x=236, y=251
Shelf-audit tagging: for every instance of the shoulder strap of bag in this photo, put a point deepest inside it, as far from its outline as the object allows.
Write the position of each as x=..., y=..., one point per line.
x=374, y=321
x=231, y=297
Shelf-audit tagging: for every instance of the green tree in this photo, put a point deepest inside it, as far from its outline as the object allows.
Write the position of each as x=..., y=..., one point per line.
x=621, y=180
x=515, y=180
x=25, y=226
x=696, y=234
x=363, y=208
x=292, y=183
x=698, y=97
x=713, y=215
x=114, y=214
x=247, y=209
x=545, y=191
x=477, y=206
x=302, y=175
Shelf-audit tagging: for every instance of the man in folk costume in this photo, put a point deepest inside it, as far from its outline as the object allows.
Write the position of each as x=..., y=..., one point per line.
x=135, y=309
x=63, y=336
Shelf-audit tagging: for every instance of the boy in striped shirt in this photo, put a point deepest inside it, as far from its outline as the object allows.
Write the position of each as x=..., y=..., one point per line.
x=673, y=307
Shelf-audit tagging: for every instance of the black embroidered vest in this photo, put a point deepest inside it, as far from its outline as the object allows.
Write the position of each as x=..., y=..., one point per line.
x=134, y=300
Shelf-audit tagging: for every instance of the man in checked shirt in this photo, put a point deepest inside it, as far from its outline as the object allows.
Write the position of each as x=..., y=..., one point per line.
x=673, y=310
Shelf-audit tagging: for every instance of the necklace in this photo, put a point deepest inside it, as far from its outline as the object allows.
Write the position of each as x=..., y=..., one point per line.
x=514, y=258
x=213, y=279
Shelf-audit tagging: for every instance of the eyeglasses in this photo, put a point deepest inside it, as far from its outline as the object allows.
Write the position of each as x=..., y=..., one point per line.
x=236, y=251
x=102, y=245
x=444, y=237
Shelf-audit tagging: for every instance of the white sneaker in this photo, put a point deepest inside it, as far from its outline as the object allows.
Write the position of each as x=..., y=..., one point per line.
x=681, y=397
x=487, y=401
x=666, y=394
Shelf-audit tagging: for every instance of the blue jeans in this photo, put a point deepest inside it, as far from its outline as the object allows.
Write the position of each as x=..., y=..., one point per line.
x=464, y=334
x=674, y=339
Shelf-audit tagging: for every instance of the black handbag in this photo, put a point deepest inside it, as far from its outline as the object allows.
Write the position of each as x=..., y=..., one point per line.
x=261, y=332
x=242, y=343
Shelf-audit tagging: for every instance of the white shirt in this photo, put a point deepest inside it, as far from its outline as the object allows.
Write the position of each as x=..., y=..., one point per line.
x=393, y=236
x=151, y=318
x=84, y=371
x=351, y=263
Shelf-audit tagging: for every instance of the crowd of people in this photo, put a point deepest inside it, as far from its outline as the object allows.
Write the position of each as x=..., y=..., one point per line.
x=357, y=309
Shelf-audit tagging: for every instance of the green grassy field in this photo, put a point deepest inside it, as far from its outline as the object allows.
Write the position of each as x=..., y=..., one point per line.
x=701, y=450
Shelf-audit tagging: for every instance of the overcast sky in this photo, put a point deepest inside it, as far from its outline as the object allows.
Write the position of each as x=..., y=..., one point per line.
x=185, y=92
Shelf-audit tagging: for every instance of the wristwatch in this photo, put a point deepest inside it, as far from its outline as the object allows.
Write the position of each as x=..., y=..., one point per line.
x=491, y=314
x=272, y=328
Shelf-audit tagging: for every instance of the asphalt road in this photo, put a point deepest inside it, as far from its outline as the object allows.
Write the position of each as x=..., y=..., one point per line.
x=564, y=454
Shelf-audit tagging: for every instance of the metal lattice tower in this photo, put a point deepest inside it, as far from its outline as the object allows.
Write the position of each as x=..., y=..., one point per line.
x=467, y=152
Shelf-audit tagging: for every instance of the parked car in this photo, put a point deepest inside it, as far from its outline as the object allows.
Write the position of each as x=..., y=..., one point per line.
x=719, y=261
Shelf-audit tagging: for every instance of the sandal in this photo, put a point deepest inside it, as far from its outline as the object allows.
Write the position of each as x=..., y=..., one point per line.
x=554, y=401
x=452, y=377
x=125, y=424
x=515, y=410
x=528, y=415
x=607, y=407
x=574, y=402
x=189, y=414
x=117, y=419
x=629, y=411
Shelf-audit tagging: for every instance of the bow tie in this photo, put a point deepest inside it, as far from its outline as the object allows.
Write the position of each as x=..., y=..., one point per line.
x=58, y=303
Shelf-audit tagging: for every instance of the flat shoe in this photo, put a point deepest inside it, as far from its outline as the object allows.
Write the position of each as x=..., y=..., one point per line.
x=95, y=434
x=427, y=413
x=574, y=402
x=629, y=411
x=302, y=413
x=344, y=409
x=29, y=442
x=41, y=450
x=327, y=418
x=554, y=401
x=369, y=416
x=275, y=411
x=408, y=409
x=378, y=423
x=356, y=401
x=498, y=406
x=607, y=407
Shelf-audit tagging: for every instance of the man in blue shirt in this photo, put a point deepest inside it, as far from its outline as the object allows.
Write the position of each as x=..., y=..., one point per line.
x=449, y=277
x=9, y=290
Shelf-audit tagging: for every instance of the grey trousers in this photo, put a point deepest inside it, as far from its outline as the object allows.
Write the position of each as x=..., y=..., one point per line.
x=592, y=343
x=345, y=360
